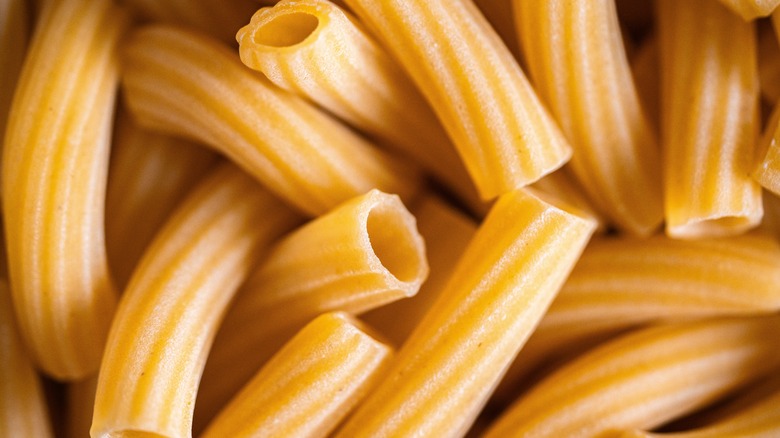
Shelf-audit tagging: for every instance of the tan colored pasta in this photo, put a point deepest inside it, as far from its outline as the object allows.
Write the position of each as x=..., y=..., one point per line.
x=579, y=67
x=363, y=254
x=176, y=299
x=645, y=378
x=188, y=85
x=54, y=173
x=307, y=388
x=502, y=286
x=148, y=175
x=751, y=9
x=709, y=104
x=503, y=133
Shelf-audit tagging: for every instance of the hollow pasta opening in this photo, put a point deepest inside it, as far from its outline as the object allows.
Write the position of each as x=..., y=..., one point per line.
x=286, y=30
x=393, y=243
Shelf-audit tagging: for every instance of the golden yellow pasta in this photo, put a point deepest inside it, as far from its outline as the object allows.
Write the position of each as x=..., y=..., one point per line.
x=645, y=378
x=186, y=84
x=170, y=312
x=560, y=185
x=751, y=9
x=307, y=388
x=503, y=133
x=502, y=286
x=363, y=254
x=709, y=103
x=578, y=65
x=54, y=168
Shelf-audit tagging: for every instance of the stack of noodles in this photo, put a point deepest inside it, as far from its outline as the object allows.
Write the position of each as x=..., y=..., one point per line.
x=390, y=218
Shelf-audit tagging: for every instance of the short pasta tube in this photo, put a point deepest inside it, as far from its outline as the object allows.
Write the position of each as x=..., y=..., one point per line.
x=644, y=379
x=363, y=254
x=55, y=163
x=503, y=133
x=709, y=106
x=508, y=275
x=310, y=385
x=578, y=65
x=751, y=9
x=170, y=312
x=186, y=84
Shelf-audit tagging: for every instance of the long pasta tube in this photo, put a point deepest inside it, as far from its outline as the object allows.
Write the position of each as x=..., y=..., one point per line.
x=23, y=410
x=316, y=50
x=188, y=85
x=644, y=379
x=148, y=175
x=363, y=254
x=751, y=9
x=307, y=388
x=500, y=128
x=169, y=313
x=709, y=103
x=54, y=182
x=502, y=286
x=578, y=65
x=14, y=34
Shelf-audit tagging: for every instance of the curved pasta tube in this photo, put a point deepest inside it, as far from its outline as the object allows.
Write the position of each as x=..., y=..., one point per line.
x=501, y=130
x=576, y=59
x=55, y=163
x=185, y=84
x=310, y=385
x=751, y=9
x=503, y=283
x=177, y=297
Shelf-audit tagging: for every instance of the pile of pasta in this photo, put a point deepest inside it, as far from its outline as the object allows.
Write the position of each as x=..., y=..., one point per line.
x=438, y=218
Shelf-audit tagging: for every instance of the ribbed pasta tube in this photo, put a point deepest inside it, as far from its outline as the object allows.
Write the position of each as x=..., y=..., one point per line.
x=169, y=313
x=22, y=403
x=561, y=186
x=307, y=388
x=709, y=103
x=578, y=65
x=316, y=50
x=645, y=378
x=503, y=133
x=502, y=286
x=54, y=172
x=148, y=175
x=363, y=254
x=14, y=34
x=751, y=9
x=189, y=85
x=80, y=404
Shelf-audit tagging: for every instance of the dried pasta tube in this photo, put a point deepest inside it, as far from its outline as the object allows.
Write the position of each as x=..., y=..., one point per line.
x=503, y=133
x=363, y=254
x=80, y=404
x=314, y=49
x=645, y=378
x=23, y=411
x=170, y=312
x=709, y=103
x=185, y=84
x=579, y=67
x=307, y=388
x=148, y=175
x=14, y=34
x=502, y=286
x=751, y=9
x=55, y=163
x=561, y=186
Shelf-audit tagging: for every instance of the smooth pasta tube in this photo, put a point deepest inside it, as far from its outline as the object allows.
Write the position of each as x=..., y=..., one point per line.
x=148, y=175
x=307, y=388
x=645, y=378
x=709, y=103
x=23, y=410
x=54, y=178
x=504, y=135
x=502, y=286
x=316, y=50
x=188, y=85
x=363, y=254
x=578, y=65
x=751, y=9
x=14, y=34
x=170, y=312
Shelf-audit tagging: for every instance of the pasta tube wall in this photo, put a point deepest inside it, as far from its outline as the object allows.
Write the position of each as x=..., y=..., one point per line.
x=502, y=286
x=503, y=133
x=709, y=103
x=54, y=172
x=578, y=65
x=307, y=388
x=169, y=313
x=188, y=85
